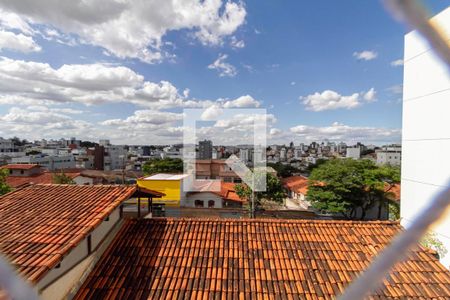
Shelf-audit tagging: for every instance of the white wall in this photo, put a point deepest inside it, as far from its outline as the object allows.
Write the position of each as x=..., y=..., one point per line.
x=205, y=197
x=426, y=129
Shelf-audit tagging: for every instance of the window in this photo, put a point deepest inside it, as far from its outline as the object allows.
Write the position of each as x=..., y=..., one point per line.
x=211, y=203
x=198, y=203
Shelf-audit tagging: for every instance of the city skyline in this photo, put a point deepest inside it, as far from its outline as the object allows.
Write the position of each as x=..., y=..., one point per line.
x=130, y=85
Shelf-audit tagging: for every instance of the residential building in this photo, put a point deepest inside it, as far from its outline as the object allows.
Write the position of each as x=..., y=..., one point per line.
x=297, y=188
x=215, y=169
x=99, y=157
x=353, y=152
x=59, y=232
x=245, y=155
x=391, y=155
x=222, y=195
x=205, y=149
x=169, y=184
x=7, y=146
x=425, y=130
x=51, y=162
x=115, y=157
x=167, y=258
x=24, y=174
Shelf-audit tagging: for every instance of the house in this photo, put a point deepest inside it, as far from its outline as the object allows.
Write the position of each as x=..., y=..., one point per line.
x=425, y=128
x=180, y=191
x=255, y=259
x=296, y=187
x=53, y=234
x=172, y=185
x=224, y=196
x=24, y=174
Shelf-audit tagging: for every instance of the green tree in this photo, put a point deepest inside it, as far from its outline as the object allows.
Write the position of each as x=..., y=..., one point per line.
x=283, y=170
x=342, y=186
x=62, y=178
x=429, y=240
x=4, y=187
x=274, y=190
x=166, y=165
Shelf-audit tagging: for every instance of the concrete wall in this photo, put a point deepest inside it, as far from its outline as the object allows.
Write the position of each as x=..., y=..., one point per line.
x=205, y=197
x=426, y=129
x=57, y=283
x=81, y=180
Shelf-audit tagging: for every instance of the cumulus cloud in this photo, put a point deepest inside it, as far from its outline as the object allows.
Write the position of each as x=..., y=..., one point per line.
x=132, y=29
x=341, y=132
x=243, y=101
x=17, y=42
x=224, y=68
x=365, y=55
x=330, y=100
x=397, y=63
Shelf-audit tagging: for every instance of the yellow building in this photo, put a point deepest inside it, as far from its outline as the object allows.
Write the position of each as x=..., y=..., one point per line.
x=169, y=184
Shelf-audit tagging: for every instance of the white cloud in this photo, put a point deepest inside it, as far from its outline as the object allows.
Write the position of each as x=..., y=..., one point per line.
x=330, y=100
x=17, y=42
x=365, y=55
x=370, y=95
x=243, y=101
x=235, y=43
x=397, y=63
x=396, y=89
x=133, y=29
x=341, y=132
x=9, y=20
x=224, y=68
x=293, y=83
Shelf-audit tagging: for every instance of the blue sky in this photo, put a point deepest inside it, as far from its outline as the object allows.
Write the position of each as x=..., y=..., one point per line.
x=311, y=64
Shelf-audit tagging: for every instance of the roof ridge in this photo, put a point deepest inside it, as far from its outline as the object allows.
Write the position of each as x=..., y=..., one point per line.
x=272, y=220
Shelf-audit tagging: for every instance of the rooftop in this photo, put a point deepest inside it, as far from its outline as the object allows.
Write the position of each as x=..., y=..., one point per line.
x=163, y=176
x=254, y=259
x=40, y=224
x=41, y=178
x=299, y=184
x=20, y=166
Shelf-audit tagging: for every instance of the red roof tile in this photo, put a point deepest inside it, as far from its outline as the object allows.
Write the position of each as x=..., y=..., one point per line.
x=298, y=184
x=42, y=178
x=20, y=166
x=255, y=259
x=40, y=224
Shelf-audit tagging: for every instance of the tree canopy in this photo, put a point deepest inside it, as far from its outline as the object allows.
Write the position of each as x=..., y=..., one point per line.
x=62, y=178
x=166, y=165
x=274, y=191
x=4, y=187
x=283, y=170
x=342, y=186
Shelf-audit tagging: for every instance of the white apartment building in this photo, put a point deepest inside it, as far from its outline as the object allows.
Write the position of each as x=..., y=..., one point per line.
x=391, y=155
x=244, y=155
x=426, y=124
x=353, y=152
x=49, y=162
x=115, y=158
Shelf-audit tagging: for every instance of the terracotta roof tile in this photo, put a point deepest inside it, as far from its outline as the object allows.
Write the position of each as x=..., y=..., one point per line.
x=19, y=166
x=255, y=259
x=42, y=178
x=39, y=224
x=298, y=184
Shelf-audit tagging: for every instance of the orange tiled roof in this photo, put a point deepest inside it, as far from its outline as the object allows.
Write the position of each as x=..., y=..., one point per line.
x=254, y=259
x=394, y=190
x=298, y=184
x=42, y=178
x=40, y=224
x=227, y=189
x=19, y=166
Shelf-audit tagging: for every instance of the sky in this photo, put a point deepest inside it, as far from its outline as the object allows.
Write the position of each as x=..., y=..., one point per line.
x=124, y=70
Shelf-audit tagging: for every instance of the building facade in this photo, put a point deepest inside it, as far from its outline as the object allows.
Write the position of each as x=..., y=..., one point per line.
x=426, y=94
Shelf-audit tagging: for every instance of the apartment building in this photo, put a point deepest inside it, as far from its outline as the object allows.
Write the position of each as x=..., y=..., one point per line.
x=426, y=135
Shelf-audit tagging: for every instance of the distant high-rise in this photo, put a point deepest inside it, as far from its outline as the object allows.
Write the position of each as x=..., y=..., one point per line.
x=205, y=149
